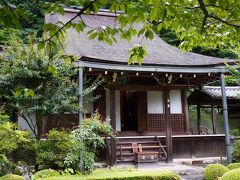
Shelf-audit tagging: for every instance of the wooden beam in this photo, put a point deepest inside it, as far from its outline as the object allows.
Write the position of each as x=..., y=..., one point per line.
x=147, y=87
x=168, y=126
x=149, y=68
x=213, y=116
x=113, y=124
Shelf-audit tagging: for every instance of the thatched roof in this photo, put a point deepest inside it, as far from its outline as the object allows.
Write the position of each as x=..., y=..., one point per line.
x=159, y=52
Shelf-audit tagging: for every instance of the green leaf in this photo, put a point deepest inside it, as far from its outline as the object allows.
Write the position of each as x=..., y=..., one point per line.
x=79, y=27
x=52, y=70
x=18, y=92
x=93, y=35
x=40, y=46
x=149, y=34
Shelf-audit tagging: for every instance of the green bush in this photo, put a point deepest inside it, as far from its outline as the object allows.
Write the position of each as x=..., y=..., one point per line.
x=213, y=171
x=26, y=153
x=51, y=152
x=231, y=175
x=235, y=132
x=122, y=174
x=12, y=177
x=133, y=174
x=86, y=140
x=11, y=137
x=233, y=166
x=5, y=165
x=45, y=173
x=236, y=151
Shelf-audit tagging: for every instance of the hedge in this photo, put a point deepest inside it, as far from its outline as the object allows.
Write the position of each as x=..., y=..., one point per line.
x=12, y=177
x=231, y=175
x=213, y=171
x=121, y=175
x=233, y=166
x=46, y=173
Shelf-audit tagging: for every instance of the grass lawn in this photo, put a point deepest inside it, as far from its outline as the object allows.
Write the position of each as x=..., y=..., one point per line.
x=119, y=174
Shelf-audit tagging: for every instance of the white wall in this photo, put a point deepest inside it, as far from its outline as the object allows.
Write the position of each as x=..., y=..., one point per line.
x=155, y=102
x=175, y=102
x=23, y=124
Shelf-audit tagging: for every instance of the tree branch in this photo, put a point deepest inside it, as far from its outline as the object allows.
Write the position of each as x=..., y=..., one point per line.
x=207, y=15
x=205, y=12
x=225, y=21
x=78, y=14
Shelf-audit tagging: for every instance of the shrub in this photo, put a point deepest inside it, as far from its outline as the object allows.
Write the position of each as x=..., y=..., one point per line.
x=213, y=171
x=51, y=152
x=12, y=177
x=122, y=174
x=231, y=175
x=86, y=140
x=235, y=132
x=45, y=173
x=10, y=137
x=5, y=165
x=236, y=151
x=233, y=166
x=26, y=153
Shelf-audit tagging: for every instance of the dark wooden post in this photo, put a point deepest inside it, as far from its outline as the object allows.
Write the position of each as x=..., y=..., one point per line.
x=185, y=109
x=226, y=123
x=113, y=124
x=198, y=118
x=213, y=116
x=168, y=126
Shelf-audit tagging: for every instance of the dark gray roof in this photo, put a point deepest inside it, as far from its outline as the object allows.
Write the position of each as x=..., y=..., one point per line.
x=159, y=52
x=215, y=91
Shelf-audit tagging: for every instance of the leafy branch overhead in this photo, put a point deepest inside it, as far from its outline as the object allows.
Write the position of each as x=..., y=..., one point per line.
x=197, y=23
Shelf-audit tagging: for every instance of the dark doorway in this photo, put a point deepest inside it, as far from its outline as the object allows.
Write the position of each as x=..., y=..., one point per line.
x=133, y=110
x=129, y=111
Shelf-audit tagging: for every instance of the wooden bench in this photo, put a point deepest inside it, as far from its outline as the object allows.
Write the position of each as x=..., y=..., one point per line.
x=144, y=156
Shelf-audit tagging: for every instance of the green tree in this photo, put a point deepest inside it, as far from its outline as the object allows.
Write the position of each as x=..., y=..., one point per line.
x=33, y=83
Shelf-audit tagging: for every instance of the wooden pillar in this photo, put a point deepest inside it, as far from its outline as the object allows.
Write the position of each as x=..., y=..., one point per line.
x=225, y=116
x=80, y=112
x=168, y=126
x=185, y=110
x=113, y=124
x=213, y=116
x=198, y=118
x=80, y=101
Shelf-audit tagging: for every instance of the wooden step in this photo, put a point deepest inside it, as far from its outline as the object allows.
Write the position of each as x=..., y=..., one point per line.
x=138, y=142
x=125, y=154
x=125, y=160
x=150, y=147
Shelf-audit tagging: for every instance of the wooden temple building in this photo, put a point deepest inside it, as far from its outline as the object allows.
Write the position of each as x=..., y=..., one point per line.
x=146, y=104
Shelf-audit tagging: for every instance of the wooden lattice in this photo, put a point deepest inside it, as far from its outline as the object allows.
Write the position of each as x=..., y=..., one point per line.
x=177, y=123
x=156, y=123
